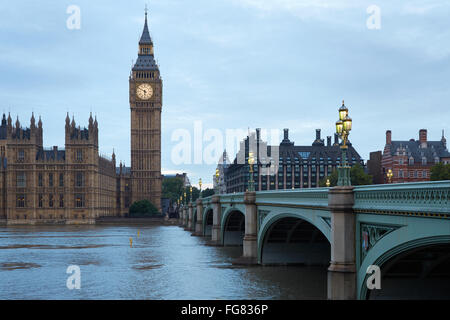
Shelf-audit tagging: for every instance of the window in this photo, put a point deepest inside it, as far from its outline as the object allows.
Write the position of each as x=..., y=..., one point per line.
x=400, y=161
x=415, y=173
x=40, y=180
x=400, y=174
x=424, y=174
x=424, y=160
x=41, y=201
x=411, y=161
x=50, y=179
x=79, y=156
x=50, y=201
x=61, y=201
x=21, y=155
x=20, y=201
x=61, y=179
x=79, y=201
x=21, y=180
x=79, y=179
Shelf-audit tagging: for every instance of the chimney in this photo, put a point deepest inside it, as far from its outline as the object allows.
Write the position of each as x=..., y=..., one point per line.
x=328, y=141
x=336, y=140
x=317, y=134
x=388, y=137
x=423, y=138
x=286, y=134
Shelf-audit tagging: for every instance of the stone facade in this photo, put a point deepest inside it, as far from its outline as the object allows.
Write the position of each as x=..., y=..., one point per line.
x=39, y=185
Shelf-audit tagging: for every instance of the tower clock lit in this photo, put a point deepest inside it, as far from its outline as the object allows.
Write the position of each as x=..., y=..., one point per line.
x=146, y=105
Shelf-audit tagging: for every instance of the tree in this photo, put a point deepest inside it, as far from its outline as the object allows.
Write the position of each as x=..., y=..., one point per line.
x=440, y=172
x=172, y=188
x=143, y=208
x=207, y=193
x=357, y=175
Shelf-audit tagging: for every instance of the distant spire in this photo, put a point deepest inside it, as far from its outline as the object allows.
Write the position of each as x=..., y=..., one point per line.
x=40, y=122
x=4, y=120
x=67, y=119
x=33, y=121
x=17, y=123
x=145, y=38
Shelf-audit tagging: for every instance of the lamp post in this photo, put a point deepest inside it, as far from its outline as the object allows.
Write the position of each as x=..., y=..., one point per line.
x=185, y=198
x=343, y=128
x=200, y=185
x=251, y=161
x=328, y=183
x=389, y=175
x=217, y=181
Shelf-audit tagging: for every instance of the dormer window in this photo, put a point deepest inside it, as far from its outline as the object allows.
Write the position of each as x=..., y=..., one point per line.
x=436, y=160
x=411, y=161
x=424, y=160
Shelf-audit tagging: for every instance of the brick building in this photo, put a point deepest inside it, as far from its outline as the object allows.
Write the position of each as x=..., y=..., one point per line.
x=411, y=160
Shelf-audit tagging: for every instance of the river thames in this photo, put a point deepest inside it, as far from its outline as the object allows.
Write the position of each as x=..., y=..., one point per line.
x=165, y=262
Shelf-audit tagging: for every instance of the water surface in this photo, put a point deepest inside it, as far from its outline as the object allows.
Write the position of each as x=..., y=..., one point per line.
x=165, y=262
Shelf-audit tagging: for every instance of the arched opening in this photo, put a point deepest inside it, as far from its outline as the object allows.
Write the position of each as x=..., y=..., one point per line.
x=208, y=223
x=234, y=230
x=419, y=273
x=295, y=241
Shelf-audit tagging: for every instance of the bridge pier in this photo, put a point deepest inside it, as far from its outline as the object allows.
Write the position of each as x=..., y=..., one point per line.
x=185, y=218
x=198, y=229
x=342, y=270
x=217, y=217
x=250, y=245
x=191, y=217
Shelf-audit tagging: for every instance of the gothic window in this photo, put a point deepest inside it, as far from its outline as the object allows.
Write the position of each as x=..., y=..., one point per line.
x=50, y=179
x=61, y=180
x=79, y=179
x=411, y=161
x=61, y=201
x=79, y=155
x=40, y=179
x=21, y=180
x=79, y=200
x=21, y=155
x=41, y=201
x=20, y=200
x=50, y=201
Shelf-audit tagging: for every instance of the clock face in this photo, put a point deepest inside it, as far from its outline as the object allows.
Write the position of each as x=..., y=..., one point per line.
x=144, y=91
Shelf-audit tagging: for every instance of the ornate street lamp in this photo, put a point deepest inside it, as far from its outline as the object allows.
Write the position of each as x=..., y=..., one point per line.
x=343, y=128
x=217, y=181
x=251, y=162
x=390, y=174
x=200, y=185
x=328, y=183
x=185, y=198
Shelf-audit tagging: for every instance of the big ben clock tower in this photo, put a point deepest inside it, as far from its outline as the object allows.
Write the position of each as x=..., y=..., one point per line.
x=145, y=105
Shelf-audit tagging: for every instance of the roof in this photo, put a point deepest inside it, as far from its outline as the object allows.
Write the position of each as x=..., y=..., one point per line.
x=413, y=149
x=145, y=38
x=145, y=62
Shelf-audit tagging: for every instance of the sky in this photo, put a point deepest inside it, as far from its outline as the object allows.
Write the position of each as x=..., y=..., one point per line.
x=231, y=64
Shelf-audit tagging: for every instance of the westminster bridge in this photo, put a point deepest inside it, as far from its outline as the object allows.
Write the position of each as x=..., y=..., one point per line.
x=404, y=229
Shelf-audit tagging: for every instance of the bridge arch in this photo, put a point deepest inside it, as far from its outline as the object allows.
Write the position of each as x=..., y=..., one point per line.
x=408, y=261
x=233, y=226
x=296, y=236
x=208, y=216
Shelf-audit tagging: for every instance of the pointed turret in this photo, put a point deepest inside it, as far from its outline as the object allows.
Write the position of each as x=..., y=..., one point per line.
x=67, y=120
x=40, y=123
x=4, y=121
x=32, y=121
x=73, y=122
x=17, y=123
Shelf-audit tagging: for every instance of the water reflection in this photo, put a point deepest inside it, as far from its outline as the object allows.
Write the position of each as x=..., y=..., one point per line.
x=165, y=262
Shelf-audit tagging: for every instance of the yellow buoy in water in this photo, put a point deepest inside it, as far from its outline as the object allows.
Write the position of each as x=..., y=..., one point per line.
x=131, y=242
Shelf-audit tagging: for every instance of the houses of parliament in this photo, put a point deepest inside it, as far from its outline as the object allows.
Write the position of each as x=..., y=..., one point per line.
x=76, y=185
